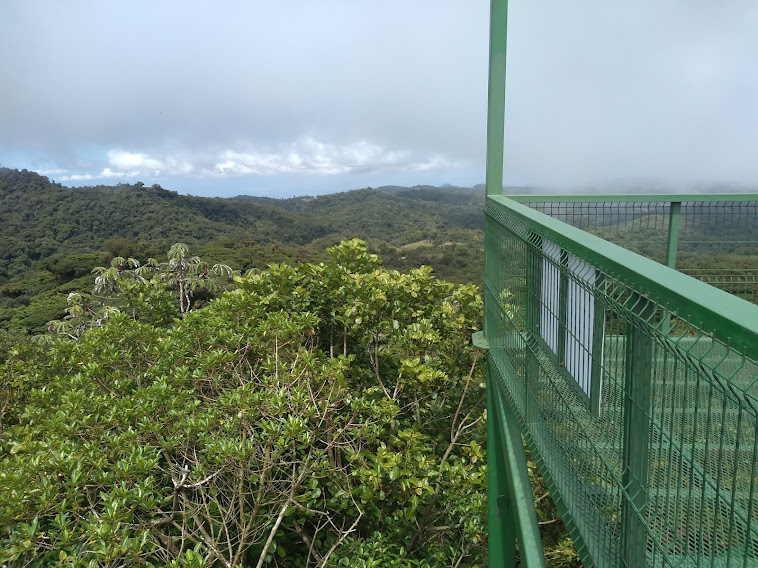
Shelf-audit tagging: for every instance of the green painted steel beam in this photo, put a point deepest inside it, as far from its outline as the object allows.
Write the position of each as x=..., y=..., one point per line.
x=501, y=531
x=573, y=525
x=732, y=320
x=598, y=334
x=673, y=234
x=496, y=96
x=636, y=435
x=519, y=499
x=635, y=198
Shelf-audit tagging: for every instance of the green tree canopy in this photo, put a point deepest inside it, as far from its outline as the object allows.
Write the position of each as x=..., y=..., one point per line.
x=322, y=415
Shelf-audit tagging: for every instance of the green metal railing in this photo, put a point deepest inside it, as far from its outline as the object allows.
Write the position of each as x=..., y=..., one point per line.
x=711, y=237
x=635, y=387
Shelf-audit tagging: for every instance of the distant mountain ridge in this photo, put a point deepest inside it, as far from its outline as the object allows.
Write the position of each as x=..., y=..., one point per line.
x=51, y=236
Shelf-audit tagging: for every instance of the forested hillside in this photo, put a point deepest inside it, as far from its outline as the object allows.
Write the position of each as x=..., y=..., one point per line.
x=51, y=237
x=329, y=414
x=324, y=411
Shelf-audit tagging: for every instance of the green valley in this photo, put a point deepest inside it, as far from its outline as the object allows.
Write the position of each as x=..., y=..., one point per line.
x=51, y=237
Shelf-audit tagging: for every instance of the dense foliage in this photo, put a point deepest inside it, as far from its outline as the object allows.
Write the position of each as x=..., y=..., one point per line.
x=324, y=411
x=51, y=237
x=328, y=414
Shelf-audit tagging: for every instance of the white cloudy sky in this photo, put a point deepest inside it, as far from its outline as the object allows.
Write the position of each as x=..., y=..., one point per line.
x=304, y=96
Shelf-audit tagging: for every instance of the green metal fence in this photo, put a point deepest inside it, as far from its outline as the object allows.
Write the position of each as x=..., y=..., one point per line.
x=635, y=387
x=743, y=284
x=711, y=237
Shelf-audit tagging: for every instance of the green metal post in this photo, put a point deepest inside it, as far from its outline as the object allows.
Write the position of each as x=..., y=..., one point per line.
x=562, y=308
x=598, y=334
x=533, y=318
x=637, y=389
x=673, y=237
x=501, y=539
x=520, y=502
x=511, y=504
x=502, y=535
x=496, y=96
x=672, y=244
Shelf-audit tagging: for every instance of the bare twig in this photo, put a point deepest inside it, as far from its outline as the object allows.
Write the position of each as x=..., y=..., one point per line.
x=341, y=538
x=271, y=534
x=308, y=542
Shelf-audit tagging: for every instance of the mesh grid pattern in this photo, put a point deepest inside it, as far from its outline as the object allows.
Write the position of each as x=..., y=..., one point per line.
x=718, y=241
x=643, y=423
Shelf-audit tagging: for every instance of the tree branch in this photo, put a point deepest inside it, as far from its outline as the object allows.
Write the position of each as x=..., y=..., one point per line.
x=271, y=534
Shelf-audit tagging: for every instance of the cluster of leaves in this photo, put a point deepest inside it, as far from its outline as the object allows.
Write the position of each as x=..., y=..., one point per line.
x=146, y=291
x=328, y=414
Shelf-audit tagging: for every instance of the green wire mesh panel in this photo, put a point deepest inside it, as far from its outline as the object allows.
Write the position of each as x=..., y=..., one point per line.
x=640, y=226
x=642, y=422
x=717, y=240
x=743, y=284
x=724, y=231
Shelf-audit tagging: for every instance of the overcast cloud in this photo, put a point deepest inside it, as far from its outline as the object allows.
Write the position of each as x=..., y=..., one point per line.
x=665, y=92
x=299, y=96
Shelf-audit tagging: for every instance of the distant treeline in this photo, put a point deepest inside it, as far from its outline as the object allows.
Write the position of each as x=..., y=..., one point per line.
x=51, y=237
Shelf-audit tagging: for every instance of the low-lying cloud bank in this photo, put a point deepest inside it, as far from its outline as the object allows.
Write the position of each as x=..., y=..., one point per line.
x=306, y=156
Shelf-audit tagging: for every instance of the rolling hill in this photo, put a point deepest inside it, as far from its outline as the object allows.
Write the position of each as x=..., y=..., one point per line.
x=52, y=236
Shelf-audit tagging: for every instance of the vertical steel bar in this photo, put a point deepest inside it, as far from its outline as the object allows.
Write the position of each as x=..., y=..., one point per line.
x=672, y=245
x=673, y=237
x=502, y=535
x=533, y=315
x=562, y=307
x=598, y=337
x=637, y=390
x=496, y=96
x=501, y=540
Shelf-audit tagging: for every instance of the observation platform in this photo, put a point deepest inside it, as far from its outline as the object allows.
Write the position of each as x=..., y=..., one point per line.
x=631, y=370
x=622, y=337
